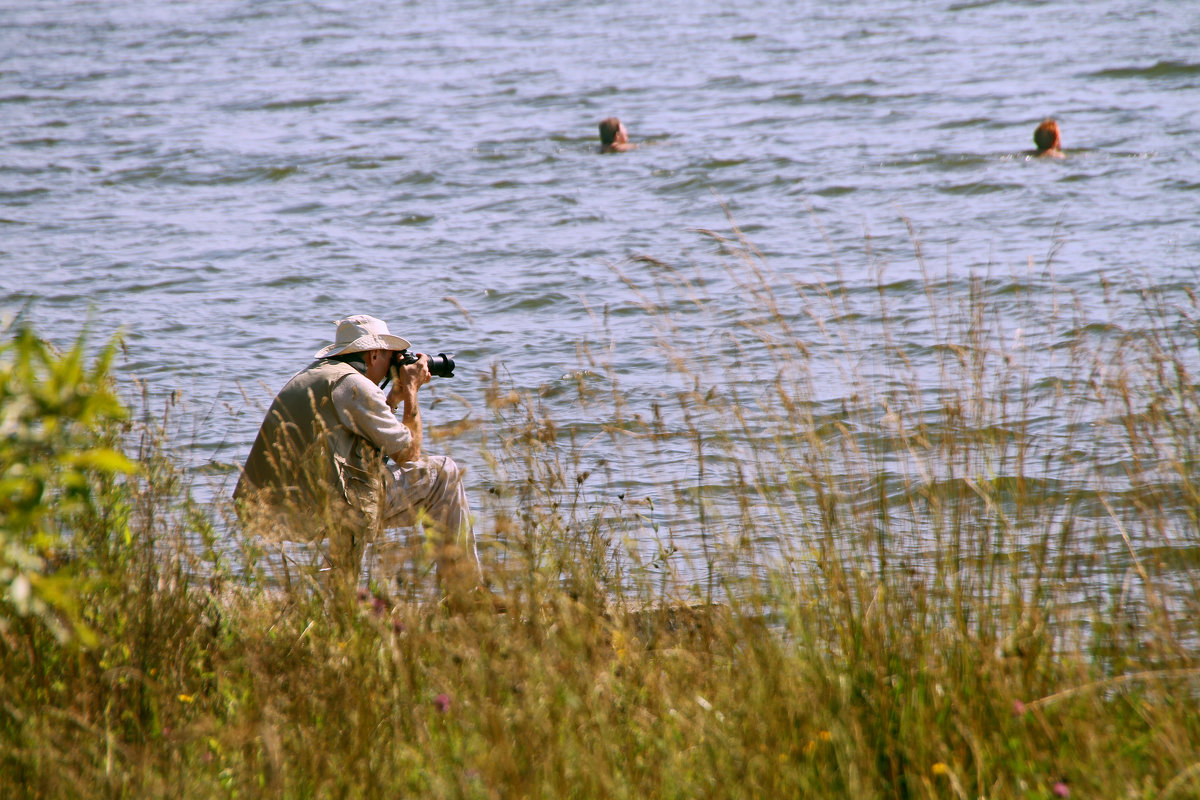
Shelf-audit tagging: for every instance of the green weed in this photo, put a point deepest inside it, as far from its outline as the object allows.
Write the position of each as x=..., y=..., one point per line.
x=957, y=561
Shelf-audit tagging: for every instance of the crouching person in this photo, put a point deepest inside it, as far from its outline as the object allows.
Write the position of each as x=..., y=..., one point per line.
x=319, y=468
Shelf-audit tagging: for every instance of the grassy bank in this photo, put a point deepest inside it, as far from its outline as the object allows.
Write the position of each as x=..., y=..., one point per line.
x=963, y=566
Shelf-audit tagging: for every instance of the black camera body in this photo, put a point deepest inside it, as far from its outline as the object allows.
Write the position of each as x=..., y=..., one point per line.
x=440, y=366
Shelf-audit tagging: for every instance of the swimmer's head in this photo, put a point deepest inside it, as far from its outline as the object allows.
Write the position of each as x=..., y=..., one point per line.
x=612, y=132
x=1046, y=137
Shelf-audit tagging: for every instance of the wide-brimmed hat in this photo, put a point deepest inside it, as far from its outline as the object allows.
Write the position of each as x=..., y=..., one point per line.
x=361, y=332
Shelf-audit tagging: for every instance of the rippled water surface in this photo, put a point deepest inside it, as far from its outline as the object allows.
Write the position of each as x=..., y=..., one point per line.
x=222, y=180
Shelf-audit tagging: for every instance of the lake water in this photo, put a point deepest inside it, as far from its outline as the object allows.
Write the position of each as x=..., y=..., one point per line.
x=222, y=180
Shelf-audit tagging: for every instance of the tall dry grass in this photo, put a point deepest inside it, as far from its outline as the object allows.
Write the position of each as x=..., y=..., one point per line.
x=925, y=538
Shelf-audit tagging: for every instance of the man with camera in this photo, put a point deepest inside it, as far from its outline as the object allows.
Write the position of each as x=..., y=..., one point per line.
x=318, y=468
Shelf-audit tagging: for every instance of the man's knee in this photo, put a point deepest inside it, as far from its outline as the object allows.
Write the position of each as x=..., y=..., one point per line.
x=448, y=471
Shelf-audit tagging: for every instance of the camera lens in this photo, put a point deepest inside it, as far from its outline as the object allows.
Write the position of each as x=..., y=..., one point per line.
x=441, y=366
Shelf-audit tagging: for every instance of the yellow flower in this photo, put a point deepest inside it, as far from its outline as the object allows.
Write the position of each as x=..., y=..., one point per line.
x=620, y=645
x=825, y=736
x=186, y=698
x=940, y=769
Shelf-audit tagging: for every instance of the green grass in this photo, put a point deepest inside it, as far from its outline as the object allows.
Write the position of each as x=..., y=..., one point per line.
x=972, y=573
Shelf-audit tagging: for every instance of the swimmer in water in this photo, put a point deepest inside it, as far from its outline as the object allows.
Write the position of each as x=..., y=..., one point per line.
x=613, y=136
x=1048, y=140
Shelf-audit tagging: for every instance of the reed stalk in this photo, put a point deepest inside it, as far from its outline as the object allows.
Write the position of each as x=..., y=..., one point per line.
x=873, y=538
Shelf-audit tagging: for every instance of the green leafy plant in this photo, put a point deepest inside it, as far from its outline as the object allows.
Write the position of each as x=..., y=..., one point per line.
x=58, y=455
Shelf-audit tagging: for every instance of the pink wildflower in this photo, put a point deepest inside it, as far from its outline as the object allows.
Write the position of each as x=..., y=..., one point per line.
x=442, y=701
x=1061, y=789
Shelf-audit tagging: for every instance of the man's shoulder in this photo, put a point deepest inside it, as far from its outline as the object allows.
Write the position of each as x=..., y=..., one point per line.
x=324, y=369
x=322, y=377
x=338, y=368
x=355, y=386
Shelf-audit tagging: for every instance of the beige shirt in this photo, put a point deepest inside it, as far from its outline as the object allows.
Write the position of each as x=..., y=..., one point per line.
x=362, y=407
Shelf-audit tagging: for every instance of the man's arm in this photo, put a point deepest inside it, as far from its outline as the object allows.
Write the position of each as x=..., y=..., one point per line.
x=365, y=410
x=411, y=417
x=407, y=381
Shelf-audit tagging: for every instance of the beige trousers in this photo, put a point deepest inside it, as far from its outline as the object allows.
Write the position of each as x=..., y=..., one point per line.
x=429, y=494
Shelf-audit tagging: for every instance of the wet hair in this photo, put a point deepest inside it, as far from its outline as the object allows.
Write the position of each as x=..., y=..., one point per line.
x=608, y=130
x=1046, y=137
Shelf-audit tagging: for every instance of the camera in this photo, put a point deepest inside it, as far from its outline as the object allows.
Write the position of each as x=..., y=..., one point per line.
x=440, y=366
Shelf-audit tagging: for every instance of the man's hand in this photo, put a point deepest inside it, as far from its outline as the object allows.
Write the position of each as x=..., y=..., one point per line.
x=408, y=381
x=409, y=378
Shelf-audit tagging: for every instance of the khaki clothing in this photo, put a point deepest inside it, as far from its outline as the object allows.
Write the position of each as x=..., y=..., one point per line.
x=309, y=469
x=362, y=407
x=318, y=468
